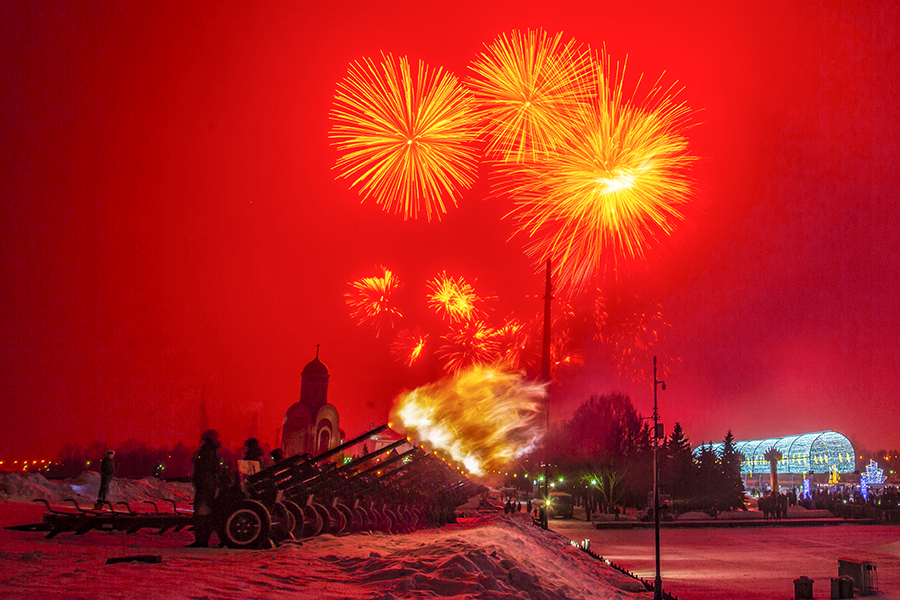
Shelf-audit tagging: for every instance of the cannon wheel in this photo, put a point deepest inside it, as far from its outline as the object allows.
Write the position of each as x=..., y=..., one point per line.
x=327, y=521
x=312, y=522
x=297, y=512
x=342, y=519
x=360, y=519
x=247, y=526
x=384, y=519
x=283, y=522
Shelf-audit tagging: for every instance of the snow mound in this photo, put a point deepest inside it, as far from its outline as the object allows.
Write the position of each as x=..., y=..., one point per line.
x=83, y=489
x=491, y=557
x=694, y=515
x=484, y=556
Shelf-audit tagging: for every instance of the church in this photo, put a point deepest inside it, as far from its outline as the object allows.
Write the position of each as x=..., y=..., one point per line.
x=311, y=424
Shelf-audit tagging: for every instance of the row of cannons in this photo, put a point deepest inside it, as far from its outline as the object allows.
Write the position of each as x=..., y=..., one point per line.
x=396, y=489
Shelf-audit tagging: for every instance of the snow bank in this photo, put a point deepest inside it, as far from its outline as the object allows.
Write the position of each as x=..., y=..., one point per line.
x=491, y=556
x=485, y=556
x=83, y=489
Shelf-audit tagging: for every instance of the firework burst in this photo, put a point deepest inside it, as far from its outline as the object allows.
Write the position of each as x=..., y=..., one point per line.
x=453, y=299
x=474, y=343
x=616, y=186
x=631, y=333
x=483, y=417
x=529, y=85
x=404, y=140
x=371, y=300
x=409, y=345
x=512, y=341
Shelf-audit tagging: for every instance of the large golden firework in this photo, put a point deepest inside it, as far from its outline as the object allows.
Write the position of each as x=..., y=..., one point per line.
x=473, y=343
x=483, y=417
x=371, y=299
x=530, y=85
x=409, y=345
x=453, y=299
x=616, y=186
x=404, y=140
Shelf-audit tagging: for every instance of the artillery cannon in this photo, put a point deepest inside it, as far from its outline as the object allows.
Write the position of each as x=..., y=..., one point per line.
x=304, y=496
x=396, y=489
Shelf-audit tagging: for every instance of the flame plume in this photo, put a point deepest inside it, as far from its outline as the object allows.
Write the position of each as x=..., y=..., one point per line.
x=404, y=140
x=482, y=417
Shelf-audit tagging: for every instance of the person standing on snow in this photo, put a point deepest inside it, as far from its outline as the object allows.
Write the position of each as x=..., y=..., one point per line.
x=107, y=468
x=205, y=472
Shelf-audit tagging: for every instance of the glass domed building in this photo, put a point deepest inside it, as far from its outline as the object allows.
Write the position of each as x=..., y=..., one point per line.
x=820, y=452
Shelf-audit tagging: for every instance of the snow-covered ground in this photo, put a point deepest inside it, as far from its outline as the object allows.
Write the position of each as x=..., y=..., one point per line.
x=486, y=555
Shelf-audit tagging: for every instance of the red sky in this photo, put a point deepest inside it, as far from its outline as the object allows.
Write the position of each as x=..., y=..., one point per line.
x=172, y=227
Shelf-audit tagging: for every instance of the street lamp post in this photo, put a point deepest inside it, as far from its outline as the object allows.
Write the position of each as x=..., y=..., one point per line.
x=657, y=585
x=545, y=377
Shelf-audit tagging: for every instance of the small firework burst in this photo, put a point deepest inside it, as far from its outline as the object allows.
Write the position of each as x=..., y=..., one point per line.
x=565, y=354
x=453, y=299
x=616, y=186
x=530, y=85
x=405, y=141
x=473, y=343
x=371, y=300
x=409, y=345
x=631, y=333
x=512, y=342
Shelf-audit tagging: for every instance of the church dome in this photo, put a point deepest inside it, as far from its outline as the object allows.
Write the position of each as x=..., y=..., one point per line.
x=315, y=366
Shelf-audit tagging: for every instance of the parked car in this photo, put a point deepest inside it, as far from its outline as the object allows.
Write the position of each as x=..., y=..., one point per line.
x=665, y=509
x=561, y=505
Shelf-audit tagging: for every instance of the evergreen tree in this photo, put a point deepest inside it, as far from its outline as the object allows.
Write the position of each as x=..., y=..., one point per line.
x=708, y=474
x=732, y=486
x=681, y=464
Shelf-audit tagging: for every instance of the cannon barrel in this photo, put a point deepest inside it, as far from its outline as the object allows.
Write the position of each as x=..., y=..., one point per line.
x=349, y=444
x=324, y=477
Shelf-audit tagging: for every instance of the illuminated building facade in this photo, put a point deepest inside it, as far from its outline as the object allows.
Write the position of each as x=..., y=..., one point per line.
x=820, y=452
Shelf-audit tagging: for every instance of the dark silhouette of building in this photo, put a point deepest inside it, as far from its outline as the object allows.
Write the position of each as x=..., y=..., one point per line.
x=311, y=424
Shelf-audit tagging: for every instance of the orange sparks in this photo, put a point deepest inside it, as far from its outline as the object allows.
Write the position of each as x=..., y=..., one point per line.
x=474, y=343
x=530, y=85
x=631, y=333
x=482, y=417
x=409, y=345
x=371, y=299
x=512, y=340
x=405, y=141
x=614, y=188
x=453, y=299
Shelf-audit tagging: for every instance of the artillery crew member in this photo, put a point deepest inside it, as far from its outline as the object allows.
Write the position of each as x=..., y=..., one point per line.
x=106, y=473
x=206, y=466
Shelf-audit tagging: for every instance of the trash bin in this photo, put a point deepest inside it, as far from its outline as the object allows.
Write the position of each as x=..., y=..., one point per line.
x=846, y=585
x=803, y=588
x=836, y=588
